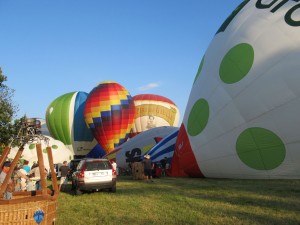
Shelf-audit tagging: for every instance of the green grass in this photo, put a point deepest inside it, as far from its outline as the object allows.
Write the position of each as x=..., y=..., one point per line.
x=185, y=201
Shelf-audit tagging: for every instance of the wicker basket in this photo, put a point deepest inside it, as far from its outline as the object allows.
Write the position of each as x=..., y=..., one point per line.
x=30, y=207
x=23, y=213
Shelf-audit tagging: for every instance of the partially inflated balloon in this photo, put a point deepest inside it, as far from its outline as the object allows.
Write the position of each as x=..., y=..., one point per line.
x=242, y=118
x=154, y=111
x=109, y=113
x=60, y=152
x=133, y=149
x=65, y=121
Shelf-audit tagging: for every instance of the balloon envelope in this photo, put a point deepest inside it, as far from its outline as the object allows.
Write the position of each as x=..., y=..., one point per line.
x=65, y=121
x=59, y=151
x=109, y=113
x=164, y=148
x=242, y=118
x=154, y=111
x=135, y=148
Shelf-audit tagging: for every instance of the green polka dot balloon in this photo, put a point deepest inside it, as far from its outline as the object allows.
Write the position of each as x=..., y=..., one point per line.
x=242, y=117
x=60, y=152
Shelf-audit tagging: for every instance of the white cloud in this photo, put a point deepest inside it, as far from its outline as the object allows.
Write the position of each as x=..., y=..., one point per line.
x=148, y=86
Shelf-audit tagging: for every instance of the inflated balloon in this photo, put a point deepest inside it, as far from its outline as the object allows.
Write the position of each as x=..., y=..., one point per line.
x=59, y=151
x=133, y=149
x=154, y=111
x=65, y=121
x=109, y=113
x=96, y=153
x=165, y=148
x=242, y=118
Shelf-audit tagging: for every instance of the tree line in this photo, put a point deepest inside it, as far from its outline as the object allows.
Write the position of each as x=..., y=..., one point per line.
x=8, y=110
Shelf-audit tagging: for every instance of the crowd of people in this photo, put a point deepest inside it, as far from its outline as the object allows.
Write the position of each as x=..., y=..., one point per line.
x=23, y=178
x=26, y=178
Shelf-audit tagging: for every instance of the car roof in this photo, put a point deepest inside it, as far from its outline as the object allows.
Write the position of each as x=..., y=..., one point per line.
x=92, y=159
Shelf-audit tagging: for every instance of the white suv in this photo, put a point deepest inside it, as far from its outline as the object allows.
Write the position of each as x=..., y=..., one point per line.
x=94, y=175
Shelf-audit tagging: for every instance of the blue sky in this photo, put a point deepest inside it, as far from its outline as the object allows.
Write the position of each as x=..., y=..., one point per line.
x=49, y=48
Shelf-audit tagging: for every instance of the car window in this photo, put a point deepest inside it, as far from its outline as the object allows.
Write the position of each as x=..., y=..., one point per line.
x=98, y=165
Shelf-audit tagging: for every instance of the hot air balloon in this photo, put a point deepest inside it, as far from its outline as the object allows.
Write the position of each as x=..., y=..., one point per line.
x=242, y=117
x=109, y=113
x=133, y=149
x=65, y=121
x=59, y=151
x=154, y=111
x=164, y=148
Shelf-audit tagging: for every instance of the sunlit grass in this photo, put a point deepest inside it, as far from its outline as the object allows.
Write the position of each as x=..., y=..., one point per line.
x=185, y=201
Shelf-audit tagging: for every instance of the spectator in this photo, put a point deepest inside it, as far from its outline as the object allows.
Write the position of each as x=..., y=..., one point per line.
x=10, y=187
x=115, y=166
x=163, y=164
x=64, y=169
x=35, y=175
x=148, y=167
x=19, y=178
x=26, y=167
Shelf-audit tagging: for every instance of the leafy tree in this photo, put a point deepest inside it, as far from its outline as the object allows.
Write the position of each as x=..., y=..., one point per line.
x=8, y=110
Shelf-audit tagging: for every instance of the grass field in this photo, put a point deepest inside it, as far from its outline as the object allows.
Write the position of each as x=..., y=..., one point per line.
x=185, y=201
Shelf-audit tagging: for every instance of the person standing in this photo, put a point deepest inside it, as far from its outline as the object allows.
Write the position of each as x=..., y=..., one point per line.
x=163, y=164
x=26, y=167
x=148, y=167
x=35, y=172
x=115, y=166
x=10, y=187
x=19, y=179
x=64, y=170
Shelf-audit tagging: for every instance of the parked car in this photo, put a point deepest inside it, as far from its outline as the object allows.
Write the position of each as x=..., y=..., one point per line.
x=94, y=175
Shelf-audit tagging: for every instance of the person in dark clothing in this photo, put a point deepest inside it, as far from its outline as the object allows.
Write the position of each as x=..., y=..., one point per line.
x=163, y=164
x=64, y=169
x=148, y=167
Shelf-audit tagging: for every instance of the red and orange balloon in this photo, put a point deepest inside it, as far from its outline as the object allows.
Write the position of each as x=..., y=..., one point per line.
x=109, y=113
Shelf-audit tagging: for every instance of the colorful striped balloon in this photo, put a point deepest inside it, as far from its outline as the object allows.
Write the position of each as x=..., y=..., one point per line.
x=109, y=113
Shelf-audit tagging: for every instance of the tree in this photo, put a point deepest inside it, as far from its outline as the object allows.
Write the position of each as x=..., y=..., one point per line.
x=8, y=110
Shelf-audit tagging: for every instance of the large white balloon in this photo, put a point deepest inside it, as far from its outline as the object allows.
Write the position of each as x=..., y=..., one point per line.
x=59, y=151
x=242, y=118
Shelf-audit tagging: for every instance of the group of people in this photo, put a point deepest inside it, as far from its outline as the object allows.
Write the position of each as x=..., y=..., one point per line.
x=23, y=178
x=149, y=166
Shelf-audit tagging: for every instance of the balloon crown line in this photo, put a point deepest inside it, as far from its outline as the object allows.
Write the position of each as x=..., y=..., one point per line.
x=29, y=132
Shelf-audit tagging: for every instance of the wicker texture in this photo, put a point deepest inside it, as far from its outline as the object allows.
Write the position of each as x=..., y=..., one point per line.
x=22, y=213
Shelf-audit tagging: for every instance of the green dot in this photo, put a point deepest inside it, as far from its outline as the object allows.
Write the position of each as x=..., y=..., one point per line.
x=198, y=117
x=199, y=69
x=236, y=63
x=54, y=147
x=44, y=150
x=260, y=149
x=32, y=146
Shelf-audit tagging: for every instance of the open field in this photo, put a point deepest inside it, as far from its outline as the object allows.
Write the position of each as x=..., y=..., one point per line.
x=185, y=201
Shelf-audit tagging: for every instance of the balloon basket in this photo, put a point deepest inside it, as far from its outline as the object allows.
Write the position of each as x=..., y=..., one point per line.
x=29, y=207
x=28, y=210
x=138, y=171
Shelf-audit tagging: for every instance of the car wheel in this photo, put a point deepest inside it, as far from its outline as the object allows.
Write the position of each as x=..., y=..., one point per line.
x=78, y=191
x=73, y=185
x=113, y=189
